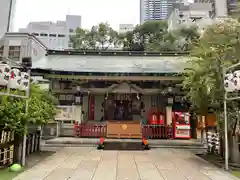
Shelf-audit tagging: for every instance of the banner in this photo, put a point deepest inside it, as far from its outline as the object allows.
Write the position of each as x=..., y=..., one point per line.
x=65, y=113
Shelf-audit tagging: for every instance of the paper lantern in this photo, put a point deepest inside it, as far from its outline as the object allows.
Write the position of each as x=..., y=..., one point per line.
x=229, y=83
x=236, y=80
x=24, y=85
x=15, y=79
x=4, y=74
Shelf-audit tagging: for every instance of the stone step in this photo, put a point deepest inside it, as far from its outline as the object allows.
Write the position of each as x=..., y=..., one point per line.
x=93, y=142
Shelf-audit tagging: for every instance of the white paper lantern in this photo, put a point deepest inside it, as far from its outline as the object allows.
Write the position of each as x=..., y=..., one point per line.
x=15, y=79
x=4, y=74
x=229, y=82
x=24, y=81
x=236, y=80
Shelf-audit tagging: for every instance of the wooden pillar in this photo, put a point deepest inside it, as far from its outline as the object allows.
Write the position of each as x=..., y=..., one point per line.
x=91, y=106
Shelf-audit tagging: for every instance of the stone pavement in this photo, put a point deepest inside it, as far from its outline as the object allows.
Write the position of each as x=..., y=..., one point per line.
x=87, y=163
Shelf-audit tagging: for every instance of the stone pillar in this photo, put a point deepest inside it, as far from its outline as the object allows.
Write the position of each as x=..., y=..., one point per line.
x=168, y=115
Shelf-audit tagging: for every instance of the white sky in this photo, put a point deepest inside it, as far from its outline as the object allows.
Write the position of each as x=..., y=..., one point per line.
x=114, y=12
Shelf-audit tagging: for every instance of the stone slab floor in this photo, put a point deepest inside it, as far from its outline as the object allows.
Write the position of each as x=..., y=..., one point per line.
x=85, y=163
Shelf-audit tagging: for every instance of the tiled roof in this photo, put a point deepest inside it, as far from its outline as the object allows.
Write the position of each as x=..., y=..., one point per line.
x=109, y=64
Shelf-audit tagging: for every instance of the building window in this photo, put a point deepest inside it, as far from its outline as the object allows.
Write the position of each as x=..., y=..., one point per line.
x=1, y=50
x=44, y=34
x=61, y=35
x=35, y=34
x=14, y=52
x=52, y=35
x=71, y=30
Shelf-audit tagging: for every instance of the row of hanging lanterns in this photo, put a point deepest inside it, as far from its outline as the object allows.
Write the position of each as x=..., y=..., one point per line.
x=15, y=78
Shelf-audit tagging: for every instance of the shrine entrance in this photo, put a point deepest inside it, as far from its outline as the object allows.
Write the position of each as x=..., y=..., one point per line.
x=122, y=102
x=118, y=107
x=123, y=110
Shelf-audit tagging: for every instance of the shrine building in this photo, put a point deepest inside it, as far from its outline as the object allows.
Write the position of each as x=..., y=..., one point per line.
x=116, y=85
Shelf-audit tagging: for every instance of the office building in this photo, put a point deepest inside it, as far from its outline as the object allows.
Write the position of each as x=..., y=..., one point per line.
x=15, y=46
x=187, y=18
x=221, y=8
x=53, y=35
x=7, y=13
x=123, y=28
x=157, y=9
x=153, y=10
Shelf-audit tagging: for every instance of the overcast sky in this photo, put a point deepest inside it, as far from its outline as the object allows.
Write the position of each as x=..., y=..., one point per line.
x=114, y=12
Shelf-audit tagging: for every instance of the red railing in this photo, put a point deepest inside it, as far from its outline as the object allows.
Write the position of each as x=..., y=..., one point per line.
x=156, y=131
x=148, y=131
x=91, y=130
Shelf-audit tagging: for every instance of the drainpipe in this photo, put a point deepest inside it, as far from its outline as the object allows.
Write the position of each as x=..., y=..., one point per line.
x=9, y=15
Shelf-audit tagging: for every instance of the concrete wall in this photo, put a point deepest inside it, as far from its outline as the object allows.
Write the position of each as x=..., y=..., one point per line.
x=29, y=46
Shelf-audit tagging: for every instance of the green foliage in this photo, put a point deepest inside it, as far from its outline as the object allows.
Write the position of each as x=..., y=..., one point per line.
x=79, y=40
x=41, y=109
x=210, y=55
x=149, y=36
x=99, y=37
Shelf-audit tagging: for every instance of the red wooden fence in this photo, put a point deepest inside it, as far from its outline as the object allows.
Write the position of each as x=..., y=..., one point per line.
x=156, y=132
x=91, y=130
x=148, y=131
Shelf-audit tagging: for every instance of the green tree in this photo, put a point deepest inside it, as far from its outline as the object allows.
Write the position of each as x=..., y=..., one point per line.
x=186, y=37
x=210, y=55
x=144, y=36
x=129, y=42
x=80, y=39
x=168, y=42
x=100, y=37
x=41, y=109
x=150, y=34
x=105, y=36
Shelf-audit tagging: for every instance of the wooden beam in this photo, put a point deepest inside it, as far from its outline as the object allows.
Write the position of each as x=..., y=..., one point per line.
x=115, y=78
x=104, y=90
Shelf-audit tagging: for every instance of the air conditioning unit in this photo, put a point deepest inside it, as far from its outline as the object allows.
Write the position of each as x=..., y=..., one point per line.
x=27, y=62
